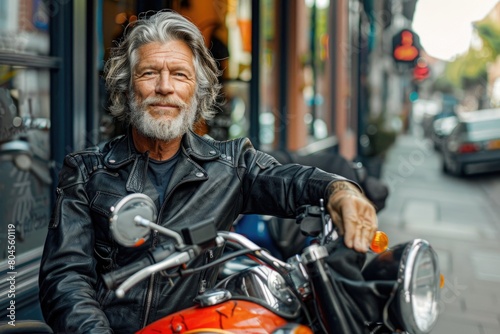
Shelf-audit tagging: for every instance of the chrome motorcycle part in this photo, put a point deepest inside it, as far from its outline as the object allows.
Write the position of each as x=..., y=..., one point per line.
x=213, y=297
x=419, y=291
x=414, y=269
x=243, y=241
x=264, y=286
x=140, y=221
x=123, y=224
x=314, y=253
x=170, y=262
x=299, y=276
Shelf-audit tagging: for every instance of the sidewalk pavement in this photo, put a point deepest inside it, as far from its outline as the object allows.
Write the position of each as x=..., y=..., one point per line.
x=459, y=217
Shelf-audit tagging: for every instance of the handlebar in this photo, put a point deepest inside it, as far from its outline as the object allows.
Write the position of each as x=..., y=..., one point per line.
x=114, y=278
x=198, y=237
x=243, y=241
x=170, y=262
x=166, y=257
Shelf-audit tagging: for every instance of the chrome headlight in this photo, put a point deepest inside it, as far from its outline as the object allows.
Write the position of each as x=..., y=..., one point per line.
x=418, y=292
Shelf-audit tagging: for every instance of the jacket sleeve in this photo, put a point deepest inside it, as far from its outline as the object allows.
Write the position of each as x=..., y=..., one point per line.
x=68, y=269
x=274, y=189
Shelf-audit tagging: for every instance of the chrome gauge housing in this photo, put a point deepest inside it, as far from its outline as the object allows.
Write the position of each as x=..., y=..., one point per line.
x=418, y=292
x=264, y=286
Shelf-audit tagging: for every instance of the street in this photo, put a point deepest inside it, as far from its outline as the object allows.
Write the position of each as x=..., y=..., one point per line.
x=459, y=217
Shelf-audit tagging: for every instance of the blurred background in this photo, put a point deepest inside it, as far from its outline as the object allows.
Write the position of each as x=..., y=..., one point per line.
x=407, y=89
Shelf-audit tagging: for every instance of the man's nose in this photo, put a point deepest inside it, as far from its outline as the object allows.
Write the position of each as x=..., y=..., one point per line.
x=164, y=84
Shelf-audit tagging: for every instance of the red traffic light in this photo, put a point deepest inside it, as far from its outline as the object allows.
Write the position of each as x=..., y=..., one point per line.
x=421, y=71
x=405, y=46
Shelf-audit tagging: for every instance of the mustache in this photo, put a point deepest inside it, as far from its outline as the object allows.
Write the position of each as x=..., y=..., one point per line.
x=164, y=100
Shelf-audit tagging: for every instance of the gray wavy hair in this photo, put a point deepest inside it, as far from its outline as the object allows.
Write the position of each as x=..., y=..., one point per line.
x=161, y=27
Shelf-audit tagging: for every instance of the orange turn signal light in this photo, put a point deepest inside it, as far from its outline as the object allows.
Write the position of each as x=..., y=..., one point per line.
x=139, y=242
x=441, y=281
x=380, y=242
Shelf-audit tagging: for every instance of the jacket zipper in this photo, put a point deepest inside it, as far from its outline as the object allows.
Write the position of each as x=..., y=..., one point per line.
x=203, y=284
x=149, y=296
x=59, y=199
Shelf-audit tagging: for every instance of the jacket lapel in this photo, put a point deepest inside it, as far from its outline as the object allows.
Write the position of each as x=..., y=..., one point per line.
x=193, y=149
x=122, y=152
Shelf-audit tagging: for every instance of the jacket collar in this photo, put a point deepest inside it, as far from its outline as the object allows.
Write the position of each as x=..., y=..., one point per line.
x=199, y=148
x=121, y=150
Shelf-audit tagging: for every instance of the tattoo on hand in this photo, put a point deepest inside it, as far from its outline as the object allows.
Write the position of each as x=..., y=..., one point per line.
x=339, y=185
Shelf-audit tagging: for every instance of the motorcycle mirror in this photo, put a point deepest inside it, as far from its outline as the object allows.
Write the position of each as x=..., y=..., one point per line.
x=123, y=224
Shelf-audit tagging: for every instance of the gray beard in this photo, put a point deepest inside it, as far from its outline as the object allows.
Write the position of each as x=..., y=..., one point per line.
x=162, y=129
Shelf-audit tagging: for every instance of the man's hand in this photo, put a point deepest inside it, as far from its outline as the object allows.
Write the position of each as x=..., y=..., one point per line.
x=353, y=214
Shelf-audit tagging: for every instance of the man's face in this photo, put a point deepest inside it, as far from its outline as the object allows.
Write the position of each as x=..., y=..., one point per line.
x=162, y=101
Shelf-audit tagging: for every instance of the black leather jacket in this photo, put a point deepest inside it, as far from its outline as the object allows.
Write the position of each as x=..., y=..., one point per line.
x=211, y=178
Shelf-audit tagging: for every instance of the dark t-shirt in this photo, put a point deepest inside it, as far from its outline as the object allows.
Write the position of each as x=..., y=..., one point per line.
x=160, y=173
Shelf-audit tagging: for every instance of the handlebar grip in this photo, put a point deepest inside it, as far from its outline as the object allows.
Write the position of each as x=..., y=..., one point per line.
x=114, y=278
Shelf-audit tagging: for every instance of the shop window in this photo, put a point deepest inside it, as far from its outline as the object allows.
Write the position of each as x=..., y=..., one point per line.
x=26, y=183
x=25, y=178
x=24, y=27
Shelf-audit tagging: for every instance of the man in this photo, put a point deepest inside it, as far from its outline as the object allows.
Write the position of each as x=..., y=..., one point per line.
x=162, y=80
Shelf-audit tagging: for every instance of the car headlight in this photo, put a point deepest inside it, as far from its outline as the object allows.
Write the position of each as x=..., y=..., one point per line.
x=418, y=292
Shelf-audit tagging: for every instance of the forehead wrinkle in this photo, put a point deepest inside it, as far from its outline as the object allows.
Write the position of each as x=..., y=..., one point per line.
x=164, y=53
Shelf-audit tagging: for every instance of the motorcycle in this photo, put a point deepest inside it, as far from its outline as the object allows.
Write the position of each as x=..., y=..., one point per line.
x=328, y=288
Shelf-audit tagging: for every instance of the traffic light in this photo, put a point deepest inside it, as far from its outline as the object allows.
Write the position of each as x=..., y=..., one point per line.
x=405, y=46
x=421, y=70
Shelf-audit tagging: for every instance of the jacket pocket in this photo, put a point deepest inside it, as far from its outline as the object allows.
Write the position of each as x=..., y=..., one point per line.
x=264, y=161
x=103, y=255
x=103, y=202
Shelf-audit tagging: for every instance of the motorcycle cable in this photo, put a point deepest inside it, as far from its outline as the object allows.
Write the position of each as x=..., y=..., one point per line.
x=187, y=272
x=326, y=222
x=320, y=321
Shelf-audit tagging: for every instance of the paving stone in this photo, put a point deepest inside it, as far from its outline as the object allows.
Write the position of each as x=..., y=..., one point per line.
x=483, y=288
x=443, y=229
x=483, y=318
x=473, y=320
x=486, y=265
x=490, y=330
x=471, y=214
x=451, y=326
x=480, y=302
x=420, y=212
x=452, y=307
